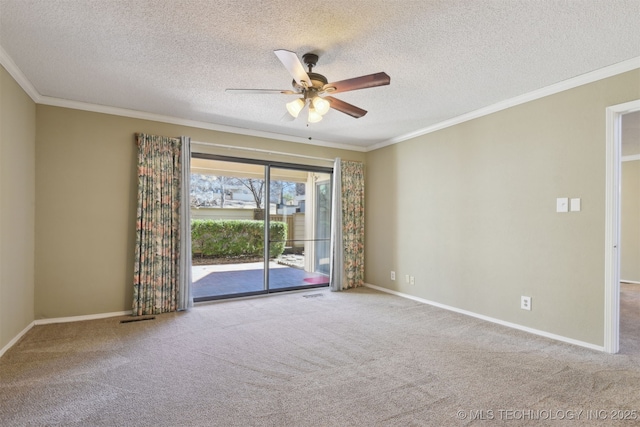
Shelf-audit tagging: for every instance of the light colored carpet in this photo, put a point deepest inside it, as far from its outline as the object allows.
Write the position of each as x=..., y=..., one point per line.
x=314, y=358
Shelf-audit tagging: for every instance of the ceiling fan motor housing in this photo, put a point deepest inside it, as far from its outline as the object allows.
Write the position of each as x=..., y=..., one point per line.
x=317, y=80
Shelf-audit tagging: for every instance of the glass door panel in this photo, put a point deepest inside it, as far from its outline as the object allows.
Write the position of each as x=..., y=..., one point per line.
x=300, y=222
x=323, y=226
x=227, y=218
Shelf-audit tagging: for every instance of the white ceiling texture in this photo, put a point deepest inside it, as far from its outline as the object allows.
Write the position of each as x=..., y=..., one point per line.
x=173, y=59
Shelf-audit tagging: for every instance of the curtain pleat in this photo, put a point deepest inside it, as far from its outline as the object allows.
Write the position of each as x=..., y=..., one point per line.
x=185, y=300
x=158, y=234
x=336, y=258
x=347, y=261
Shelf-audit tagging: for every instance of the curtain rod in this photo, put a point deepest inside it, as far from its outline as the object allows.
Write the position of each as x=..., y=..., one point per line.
x=258, y=150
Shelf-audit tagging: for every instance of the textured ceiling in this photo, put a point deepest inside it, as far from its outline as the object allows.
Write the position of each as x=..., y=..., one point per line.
x=445, y=58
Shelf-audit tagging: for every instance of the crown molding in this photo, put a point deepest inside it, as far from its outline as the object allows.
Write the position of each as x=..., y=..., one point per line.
x=25, y=84
x=135, y=114
x=21, y=79
x=593, y=76
x=18, y=76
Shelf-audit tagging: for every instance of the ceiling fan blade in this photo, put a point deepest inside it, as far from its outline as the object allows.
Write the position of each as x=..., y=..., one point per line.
x=294, y=66
x=362, y=82
x=345, y=107
x=263, y=91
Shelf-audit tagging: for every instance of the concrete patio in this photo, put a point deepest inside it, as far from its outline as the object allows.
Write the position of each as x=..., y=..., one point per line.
x=214, y=281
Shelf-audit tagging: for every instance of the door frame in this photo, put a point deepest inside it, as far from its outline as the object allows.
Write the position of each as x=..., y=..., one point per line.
x=614, y=115
x=268, y=165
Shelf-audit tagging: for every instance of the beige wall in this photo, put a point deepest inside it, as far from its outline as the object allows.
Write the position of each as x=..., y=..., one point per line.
x=86, y=191
x=470, y=212
x=630, y=222
x=17, y=198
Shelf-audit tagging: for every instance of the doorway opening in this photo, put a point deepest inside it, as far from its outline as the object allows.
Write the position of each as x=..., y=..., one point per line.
x=630, y=233
x=614, y=116
x=258, y=227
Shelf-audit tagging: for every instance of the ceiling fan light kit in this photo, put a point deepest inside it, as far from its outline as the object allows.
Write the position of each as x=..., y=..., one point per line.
x=314, y=116
x=294, y=107
x=315, y=88
x=321, y=105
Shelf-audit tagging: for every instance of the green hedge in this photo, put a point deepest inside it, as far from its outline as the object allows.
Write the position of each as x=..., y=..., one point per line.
x=235, y=238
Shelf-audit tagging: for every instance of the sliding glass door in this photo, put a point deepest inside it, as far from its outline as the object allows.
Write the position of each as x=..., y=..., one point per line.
x=258, y=227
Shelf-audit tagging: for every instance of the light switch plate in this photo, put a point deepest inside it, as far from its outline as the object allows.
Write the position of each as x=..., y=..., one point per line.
x=574, y=205
x=562, y=204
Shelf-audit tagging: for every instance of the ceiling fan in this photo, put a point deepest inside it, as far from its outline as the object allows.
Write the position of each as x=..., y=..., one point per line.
x=313, y=89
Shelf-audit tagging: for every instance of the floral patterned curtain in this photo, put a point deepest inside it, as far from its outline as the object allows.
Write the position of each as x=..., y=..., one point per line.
x=157, y=253
x=347, y=255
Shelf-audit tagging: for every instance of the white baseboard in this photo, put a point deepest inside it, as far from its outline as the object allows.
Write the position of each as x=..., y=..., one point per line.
x=490, y=319
x=630, y=281
x=16, y=338
x=60, y=320
x=81, y=318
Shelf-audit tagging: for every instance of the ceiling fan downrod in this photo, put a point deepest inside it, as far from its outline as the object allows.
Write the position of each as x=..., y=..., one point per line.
x=311, y=59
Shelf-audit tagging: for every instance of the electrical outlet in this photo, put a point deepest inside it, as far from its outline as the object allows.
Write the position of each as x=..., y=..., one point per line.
x=393, y=275
x=412, y=280
x=406, y=278
x=525, y=303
